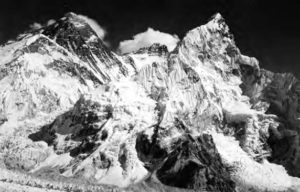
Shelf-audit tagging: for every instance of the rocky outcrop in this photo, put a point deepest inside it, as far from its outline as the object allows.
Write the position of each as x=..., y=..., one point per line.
x=195, y=163
x=277, y=94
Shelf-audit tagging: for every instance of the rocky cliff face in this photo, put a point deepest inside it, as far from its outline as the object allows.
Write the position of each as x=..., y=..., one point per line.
x=202, y=117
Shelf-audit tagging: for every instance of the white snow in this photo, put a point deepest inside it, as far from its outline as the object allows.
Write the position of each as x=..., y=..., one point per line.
x=248, y=173
x=54, y=161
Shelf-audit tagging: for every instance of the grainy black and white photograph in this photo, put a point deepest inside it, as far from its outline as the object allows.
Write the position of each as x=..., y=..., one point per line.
x=149, y=96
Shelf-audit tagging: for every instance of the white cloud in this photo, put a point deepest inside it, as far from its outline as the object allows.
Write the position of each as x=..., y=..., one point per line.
x=146, y=39
x=100, y=31
x=50, y=22
x=35, y=26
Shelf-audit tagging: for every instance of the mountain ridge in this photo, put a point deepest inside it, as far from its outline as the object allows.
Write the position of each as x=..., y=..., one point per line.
x=78, y=110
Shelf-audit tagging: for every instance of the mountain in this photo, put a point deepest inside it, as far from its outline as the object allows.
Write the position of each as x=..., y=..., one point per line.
x=76, y=116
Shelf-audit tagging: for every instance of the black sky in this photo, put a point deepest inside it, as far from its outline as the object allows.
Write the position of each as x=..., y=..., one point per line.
x=268, y=30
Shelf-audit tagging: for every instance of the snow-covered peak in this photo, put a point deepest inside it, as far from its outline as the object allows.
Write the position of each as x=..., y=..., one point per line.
x=213, y=37
x=75, y=34
x=217, y=22
x=78, y=110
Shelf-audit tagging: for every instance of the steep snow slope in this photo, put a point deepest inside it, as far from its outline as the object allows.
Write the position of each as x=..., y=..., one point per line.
x=202, y=117
x=40, y=78
x=151, y=67
x=100, y=134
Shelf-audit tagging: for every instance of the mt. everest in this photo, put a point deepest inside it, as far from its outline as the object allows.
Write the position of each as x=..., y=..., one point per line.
x=75, y=116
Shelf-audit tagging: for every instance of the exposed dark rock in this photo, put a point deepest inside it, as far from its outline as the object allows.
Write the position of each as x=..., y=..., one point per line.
x=101, y=161
x=3, y=119
x=195, y=164
x=44, y=134
x=154, y=49
x=281, y=93
x=283, y=97
x=149, y=149
x=86, y=146
x=81, y=128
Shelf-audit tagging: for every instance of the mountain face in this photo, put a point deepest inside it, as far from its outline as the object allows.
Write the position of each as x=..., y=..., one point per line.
x=76, y=116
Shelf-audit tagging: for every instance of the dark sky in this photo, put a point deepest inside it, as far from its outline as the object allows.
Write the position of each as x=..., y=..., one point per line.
x=268, y=30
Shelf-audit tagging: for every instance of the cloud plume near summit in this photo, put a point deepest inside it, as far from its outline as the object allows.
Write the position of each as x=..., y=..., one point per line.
x=100, y=31
x=146, y=39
